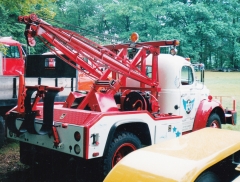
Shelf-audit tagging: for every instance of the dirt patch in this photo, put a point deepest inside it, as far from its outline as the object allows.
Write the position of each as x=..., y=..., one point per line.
x=11, y=169
x=10, y=161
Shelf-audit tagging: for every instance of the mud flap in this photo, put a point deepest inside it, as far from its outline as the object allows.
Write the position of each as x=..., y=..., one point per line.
x=231, y=117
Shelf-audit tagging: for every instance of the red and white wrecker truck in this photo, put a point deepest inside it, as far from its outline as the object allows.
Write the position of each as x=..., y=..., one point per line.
x=149, y=98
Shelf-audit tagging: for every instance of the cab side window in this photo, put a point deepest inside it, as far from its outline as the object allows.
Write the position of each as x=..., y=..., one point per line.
x=12, y=52
x=186, y=75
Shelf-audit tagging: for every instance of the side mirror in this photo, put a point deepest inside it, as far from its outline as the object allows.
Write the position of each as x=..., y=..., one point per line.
x=202, y=76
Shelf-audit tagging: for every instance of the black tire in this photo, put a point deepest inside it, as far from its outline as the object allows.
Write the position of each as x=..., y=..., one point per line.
x=27, y=153
x=122, y=144
x=214, y=121
x=2, y=131
x=208, y=176
x=71, y=165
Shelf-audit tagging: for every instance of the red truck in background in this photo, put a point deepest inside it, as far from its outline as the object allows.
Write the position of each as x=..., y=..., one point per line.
x=116, y=116
x=11, y=65
x=14, y=61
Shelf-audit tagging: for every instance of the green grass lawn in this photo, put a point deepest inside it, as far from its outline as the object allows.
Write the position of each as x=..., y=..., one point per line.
x=227, y=85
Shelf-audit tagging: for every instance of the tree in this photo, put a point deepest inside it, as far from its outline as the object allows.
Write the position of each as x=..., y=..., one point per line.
x=208, y=30
x=11, y=9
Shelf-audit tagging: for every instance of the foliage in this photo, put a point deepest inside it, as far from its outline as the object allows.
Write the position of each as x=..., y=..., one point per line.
x=11, y=9
x=2, y=48
x=208, y=30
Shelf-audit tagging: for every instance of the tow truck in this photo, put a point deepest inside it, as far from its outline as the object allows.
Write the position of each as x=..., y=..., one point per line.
x=133, y=102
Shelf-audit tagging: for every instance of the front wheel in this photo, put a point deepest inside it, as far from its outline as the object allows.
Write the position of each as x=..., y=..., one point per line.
x=122, y=144
x=208, y=176
x=214, y=121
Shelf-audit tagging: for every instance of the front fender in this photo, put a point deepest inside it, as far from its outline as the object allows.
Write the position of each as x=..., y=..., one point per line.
x=206, y=107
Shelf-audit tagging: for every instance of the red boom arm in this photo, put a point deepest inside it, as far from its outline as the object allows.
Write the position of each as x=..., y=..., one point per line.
x=113, y=57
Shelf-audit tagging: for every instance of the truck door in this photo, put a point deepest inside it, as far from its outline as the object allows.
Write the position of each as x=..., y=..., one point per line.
x=188, y=98
x=13, y=62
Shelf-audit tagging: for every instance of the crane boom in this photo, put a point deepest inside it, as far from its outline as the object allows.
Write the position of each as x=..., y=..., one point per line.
x=76, y=47
x=112, y=57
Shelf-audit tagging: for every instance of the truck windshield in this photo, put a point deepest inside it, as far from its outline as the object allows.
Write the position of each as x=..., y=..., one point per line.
x=12, y=52
x=186, y=75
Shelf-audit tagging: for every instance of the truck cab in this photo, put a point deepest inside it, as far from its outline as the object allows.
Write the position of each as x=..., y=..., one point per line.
x=181, y=92
x=12, y=61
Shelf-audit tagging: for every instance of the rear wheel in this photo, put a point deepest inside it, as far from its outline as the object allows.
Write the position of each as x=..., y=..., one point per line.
x=214, y=121
x=2, y=131
x=71, y=166
x=122, y=144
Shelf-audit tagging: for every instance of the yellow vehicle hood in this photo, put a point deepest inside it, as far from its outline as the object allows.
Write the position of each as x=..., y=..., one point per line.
x=179, y=159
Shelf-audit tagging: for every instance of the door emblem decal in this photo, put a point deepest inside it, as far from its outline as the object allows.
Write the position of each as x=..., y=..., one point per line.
x=188, y=105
